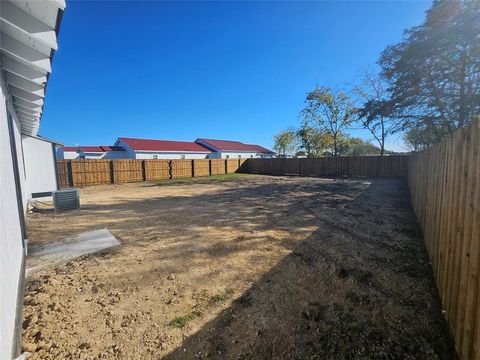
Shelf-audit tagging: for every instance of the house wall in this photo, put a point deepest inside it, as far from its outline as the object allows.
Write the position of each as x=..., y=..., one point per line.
x=66, y=155
x=70, y=155
x=40, y=166
x=131, y=154
x=171, y=156
x=116, y=155
x=12, y=252
x=236, y=154
x=104, y=155
x=93, y=156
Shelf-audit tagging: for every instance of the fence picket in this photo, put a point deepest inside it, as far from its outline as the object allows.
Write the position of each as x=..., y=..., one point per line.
x=444, y=184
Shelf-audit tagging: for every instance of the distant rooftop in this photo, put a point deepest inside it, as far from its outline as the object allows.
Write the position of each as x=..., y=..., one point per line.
x=228, y=145
x=93, y=149
x=164, y=145
x=201, y=145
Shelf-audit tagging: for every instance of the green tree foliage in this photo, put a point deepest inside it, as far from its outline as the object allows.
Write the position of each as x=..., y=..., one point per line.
x=284, y=142
x=420, y=136
x=353, y=146
x=330, y=111
x=312, y=141
x=434, y=73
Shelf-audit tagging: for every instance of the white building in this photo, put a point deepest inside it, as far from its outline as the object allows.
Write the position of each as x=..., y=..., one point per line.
x=162, y=149
x=134, y=148
x=91, y=152
x=67, y=153
x=40, y=166
x=226, y=149
x=28, y=39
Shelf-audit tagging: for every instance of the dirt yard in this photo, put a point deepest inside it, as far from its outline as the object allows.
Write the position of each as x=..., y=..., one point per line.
x=256, y=267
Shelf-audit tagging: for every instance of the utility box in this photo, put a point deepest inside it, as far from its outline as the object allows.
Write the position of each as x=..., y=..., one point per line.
x=68, y=199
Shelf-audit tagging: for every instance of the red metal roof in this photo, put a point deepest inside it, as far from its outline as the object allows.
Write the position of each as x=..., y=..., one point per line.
x=227, y=145
x=94, y=149
x=164, y=145
x=101, y=148
x=69, y=148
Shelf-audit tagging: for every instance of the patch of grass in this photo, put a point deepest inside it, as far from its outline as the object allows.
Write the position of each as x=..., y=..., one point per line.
x=217, y=298
x=229, y=291
x=181, y=321
x=203, y=294
x=220, y=297
x=224, y=177
x=197, y=311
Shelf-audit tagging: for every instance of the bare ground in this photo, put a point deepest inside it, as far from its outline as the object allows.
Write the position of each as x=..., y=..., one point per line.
x=252, y=268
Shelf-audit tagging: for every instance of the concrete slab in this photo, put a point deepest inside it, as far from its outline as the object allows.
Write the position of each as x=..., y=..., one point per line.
x=89, y=242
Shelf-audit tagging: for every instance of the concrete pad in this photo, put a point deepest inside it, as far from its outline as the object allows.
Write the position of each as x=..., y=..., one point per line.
x=89, y=242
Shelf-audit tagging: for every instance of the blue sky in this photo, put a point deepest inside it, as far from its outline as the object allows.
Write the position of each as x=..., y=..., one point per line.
x=227, y=70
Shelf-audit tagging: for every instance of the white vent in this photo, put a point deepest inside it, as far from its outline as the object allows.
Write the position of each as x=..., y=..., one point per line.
x=68, y=199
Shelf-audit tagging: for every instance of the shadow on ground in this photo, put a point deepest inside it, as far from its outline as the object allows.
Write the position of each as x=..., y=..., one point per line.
x=352, y=289
x=348, y=276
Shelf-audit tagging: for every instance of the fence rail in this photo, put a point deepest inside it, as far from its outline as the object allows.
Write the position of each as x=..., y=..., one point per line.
x=444, y=184
x=370, y=166
x=80, y=173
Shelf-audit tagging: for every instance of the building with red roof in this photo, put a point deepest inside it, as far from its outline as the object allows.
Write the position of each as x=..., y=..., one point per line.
x=90, y=152
x=135, y=148
x=162, y=149
x=234, y=149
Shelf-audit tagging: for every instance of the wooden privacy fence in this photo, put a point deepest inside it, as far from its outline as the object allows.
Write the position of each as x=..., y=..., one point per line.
x=445, y=188
x=370, y=166
x=79, y=173
x=217, y=166
x=98, y=172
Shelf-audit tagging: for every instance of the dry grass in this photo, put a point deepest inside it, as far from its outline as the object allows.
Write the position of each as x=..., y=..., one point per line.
x=254, y=267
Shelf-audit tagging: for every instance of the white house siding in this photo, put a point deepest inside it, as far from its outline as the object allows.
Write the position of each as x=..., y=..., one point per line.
x=65, y=155
x=92, y=156
x=40, y=166
x=68, y=155
x=103, y=155
x=236, y=155
x=11, y=239
x=169, y=156
x=131, y=154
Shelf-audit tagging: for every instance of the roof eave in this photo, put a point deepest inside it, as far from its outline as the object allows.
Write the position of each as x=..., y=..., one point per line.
x=29, y=38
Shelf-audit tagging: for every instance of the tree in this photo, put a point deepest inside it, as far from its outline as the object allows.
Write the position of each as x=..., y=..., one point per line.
x=373, y=113
x=284, y=142
x=313, y=141
x=435, y=70
x=330, y=110
x=420, y=137
x=353, y=146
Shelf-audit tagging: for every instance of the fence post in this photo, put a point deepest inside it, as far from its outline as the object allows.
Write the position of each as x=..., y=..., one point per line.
x=170, y=169
x=114, y=180
x=68, y=173
x=209, y=167
x=225, y=163
x=73, y=175
x=144, y=172
x=193, y=168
